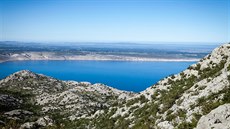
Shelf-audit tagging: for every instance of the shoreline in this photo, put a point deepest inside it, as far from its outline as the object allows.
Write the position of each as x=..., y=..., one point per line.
x=94, y=57
x=127, y=60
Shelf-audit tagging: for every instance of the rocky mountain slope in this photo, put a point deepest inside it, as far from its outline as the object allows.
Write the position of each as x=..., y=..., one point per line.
x=198, y=97
x=27, y=96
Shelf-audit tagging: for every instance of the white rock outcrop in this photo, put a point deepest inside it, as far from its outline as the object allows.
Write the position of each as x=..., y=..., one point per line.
x=218, y=118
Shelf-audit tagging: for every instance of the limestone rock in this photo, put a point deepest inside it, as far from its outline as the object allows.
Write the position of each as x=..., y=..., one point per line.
x=218, y=118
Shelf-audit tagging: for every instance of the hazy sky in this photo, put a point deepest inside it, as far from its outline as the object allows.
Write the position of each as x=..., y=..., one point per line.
x=115, y=20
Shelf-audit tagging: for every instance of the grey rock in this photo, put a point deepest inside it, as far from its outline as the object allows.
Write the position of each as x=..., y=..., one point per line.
x=216, y=119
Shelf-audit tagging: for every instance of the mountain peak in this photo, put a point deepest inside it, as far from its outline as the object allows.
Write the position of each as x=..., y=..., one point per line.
x=25, y=73
x=21, y=76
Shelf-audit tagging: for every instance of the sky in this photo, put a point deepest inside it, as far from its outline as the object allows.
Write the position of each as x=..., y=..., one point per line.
x=115, y=20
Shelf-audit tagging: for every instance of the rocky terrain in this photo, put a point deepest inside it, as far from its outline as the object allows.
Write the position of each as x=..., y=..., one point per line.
x=198, y=97
x=28, y=95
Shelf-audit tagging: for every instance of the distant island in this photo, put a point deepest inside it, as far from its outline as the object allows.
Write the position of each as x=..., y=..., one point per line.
x=15, y=51
x=99, y=57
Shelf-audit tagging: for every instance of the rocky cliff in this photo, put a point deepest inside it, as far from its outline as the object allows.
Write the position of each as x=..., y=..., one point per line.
x=198, y=97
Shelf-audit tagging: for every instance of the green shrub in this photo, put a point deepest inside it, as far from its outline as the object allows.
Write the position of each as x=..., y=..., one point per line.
x=197, y=116
x=181, y=113
x=170, y=117
x=187, y=125
x=226, y=98
x=228, y=68
x=209, y=106
x=172, y=76
x=197, y=67
x=201, y=87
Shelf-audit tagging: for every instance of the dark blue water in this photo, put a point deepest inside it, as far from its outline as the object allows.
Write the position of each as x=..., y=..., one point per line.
x=130, y=76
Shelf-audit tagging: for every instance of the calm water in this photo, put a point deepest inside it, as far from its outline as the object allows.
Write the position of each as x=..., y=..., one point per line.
x=130, y=76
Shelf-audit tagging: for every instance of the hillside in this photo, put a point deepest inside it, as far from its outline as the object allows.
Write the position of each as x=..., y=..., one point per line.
x=198, y=97
x=26, y=96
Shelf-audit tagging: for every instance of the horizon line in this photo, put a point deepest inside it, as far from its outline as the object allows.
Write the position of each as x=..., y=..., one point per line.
x=133, y=42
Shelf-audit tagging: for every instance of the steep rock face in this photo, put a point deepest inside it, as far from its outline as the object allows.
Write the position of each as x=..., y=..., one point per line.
x=218, y=118
x=178, y=101
x=209, y=86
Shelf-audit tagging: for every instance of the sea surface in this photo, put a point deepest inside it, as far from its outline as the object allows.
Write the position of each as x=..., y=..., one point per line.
x=123, y=75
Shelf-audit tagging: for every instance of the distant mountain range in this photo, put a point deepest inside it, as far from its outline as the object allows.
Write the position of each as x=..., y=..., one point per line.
x=198, y=97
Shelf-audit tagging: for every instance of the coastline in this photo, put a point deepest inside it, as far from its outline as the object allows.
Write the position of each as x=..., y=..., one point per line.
x=103, y=59
x=95, y=57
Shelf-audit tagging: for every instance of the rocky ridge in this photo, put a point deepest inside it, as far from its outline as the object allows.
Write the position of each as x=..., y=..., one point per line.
x=27, y=94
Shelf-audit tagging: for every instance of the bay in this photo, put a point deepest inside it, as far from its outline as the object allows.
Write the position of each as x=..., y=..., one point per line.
x=133, y=76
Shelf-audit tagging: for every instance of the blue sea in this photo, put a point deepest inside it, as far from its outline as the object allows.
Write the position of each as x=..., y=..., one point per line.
x=123, y=75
